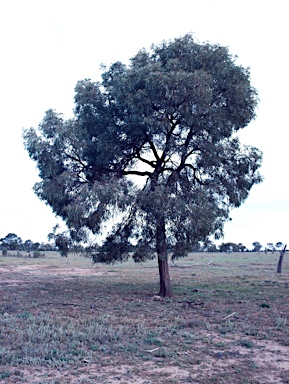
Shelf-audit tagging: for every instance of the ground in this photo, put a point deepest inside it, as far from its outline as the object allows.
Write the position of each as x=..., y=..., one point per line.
x=65, y=320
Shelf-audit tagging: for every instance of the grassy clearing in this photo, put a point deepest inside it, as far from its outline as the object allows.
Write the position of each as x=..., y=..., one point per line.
x=65, y=318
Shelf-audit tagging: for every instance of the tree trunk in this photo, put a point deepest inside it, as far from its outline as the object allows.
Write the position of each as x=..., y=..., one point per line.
x=165, y=282
x=279, y=268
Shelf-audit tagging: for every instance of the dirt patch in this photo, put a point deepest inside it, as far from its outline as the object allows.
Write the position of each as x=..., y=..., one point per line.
x=55, y=270
x=137, y=374
x=44, y=272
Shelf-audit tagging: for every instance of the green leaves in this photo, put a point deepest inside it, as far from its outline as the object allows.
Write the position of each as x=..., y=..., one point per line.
x=153, y=142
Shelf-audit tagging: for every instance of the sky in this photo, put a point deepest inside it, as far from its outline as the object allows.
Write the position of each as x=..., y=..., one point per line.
x=46, y=46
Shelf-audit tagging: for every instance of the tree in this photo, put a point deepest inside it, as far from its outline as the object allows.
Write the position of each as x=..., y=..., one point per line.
x=11, y=241
x=229, y=247
x=151, y=156
x=27, y=245
x=62, y=240
x=242, y=248
x=278, y=245
x=197, y=247
x=257, y=246
x=270, y=247
x=209, y=246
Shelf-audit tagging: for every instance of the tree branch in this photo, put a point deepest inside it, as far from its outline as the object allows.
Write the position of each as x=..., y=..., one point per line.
x=77, y=159
x=153, y=148
x=151, y=163
x=137, y=173
x=168, y=137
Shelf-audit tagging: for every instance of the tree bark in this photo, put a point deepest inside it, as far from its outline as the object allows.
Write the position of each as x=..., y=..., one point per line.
x=165, y=282
x=279, y=268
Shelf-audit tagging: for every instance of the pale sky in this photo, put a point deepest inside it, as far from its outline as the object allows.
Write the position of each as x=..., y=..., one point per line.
x=47, y=46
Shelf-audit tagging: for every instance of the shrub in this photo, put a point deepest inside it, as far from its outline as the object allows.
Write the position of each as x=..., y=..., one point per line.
x=37, y=254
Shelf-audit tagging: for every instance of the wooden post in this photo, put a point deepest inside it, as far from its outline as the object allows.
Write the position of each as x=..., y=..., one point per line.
x=279, y=268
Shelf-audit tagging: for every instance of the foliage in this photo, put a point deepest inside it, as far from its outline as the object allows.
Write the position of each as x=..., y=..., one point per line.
x=37, y=254
x=257, y=246
x=241, y=247
x=270, y=247
x=11, y=241
x=279, y=245
x=209, y=246
x=61, y=241
x=151, y=157
x=229, y=247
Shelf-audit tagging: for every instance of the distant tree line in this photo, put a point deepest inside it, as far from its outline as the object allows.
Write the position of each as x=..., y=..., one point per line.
x=13, y=242
x=210, y=246
x=56, y=242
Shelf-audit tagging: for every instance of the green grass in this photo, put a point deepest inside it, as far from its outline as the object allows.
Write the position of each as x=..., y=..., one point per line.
x=58, y=313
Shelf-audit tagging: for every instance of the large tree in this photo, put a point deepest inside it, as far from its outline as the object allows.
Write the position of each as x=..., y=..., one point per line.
x=151, y=157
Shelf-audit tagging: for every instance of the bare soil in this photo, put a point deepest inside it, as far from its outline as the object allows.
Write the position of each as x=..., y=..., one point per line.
x=227, y=321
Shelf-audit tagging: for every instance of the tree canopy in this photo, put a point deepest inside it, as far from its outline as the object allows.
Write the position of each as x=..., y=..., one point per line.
x=11, y=241
x=151, y=157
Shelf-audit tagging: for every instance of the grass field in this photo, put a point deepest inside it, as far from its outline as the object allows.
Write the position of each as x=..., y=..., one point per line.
x=65, y=320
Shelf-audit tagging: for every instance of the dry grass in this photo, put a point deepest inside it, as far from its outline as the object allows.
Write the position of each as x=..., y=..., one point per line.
x=64, y=320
